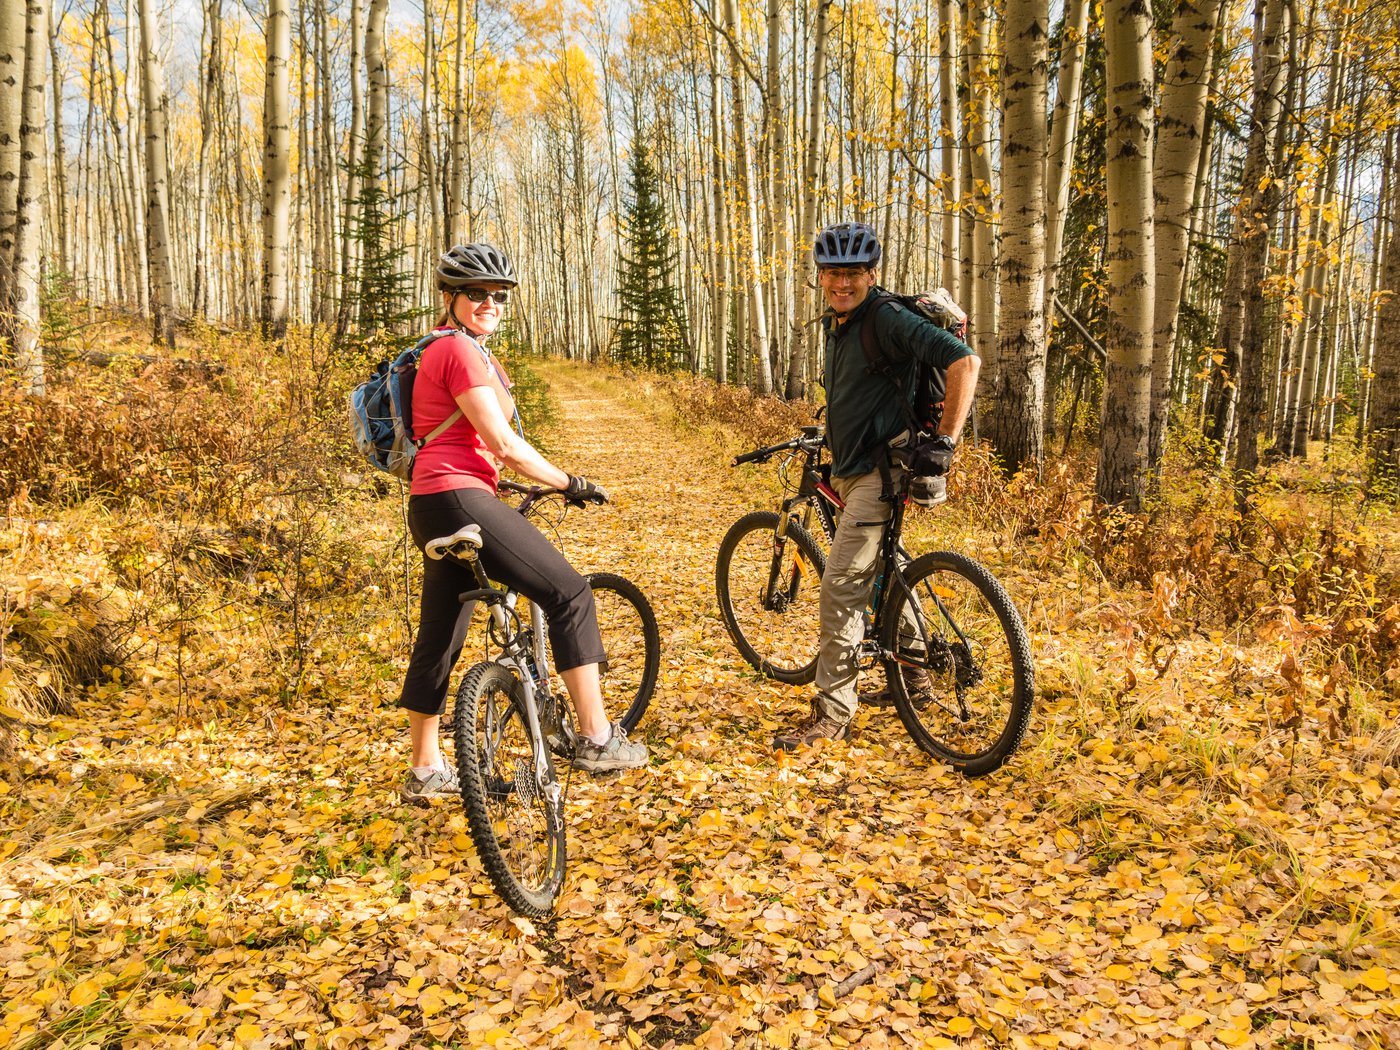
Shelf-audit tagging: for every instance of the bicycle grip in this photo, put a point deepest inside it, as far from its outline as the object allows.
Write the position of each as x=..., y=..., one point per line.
x=751, y=457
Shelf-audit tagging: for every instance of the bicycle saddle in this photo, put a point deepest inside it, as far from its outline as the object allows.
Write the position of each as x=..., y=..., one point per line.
x=442, y=546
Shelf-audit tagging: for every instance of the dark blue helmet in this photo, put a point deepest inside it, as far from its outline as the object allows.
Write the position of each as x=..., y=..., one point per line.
x=847, y=244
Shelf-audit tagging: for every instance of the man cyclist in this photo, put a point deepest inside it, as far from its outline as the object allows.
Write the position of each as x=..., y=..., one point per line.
x=863, y=414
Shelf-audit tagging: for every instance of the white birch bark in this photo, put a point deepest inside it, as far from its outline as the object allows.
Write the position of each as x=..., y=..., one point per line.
x=157, y=188
x=719, y=244
x=814, y=148
x=950, y=194
x=981, y=193
x=1064, y=133
x=12, y=19
x=29, y=199
x=1122, y=463
x=277, y=143
x=63, y=224
x=1018, y=422
x=354, y=151
x=756, y=332
x=1185, y=92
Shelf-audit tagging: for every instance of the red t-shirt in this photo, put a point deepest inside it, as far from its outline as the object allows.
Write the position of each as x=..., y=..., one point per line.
x=457, y=458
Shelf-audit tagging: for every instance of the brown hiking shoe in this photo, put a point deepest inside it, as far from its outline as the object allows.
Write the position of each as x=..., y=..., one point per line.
x=816, y=726
x=916, y=681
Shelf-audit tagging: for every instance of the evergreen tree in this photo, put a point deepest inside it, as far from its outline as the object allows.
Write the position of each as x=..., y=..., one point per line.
x=380, y=301
x=651, y=328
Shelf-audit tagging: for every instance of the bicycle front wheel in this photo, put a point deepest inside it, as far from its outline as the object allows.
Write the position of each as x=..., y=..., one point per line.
x=957, y=625
x=769, y=590
x=515, y=806
x=632, y=641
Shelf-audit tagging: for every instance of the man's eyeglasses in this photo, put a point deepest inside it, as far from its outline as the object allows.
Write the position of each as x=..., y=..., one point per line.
x=480, y=295
x=838, y=274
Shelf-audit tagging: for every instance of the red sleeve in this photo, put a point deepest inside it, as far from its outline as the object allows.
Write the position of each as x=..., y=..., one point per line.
x=460, y=365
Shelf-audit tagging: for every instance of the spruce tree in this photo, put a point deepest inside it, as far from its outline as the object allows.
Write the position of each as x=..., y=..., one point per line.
x=651, y=327
x=381, y=298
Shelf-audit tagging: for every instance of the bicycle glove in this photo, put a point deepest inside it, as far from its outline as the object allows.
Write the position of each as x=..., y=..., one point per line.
x=933, y=458
x=581, y=490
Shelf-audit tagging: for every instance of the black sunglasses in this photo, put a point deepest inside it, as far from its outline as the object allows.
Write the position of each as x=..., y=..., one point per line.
x=480, y=295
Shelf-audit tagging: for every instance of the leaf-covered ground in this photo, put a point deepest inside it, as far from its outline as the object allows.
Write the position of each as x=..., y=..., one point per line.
x=1186, y=852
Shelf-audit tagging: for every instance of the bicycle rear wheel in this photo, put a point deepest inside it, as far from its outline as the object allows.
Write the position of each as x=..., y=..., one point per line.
x=515, y=806
x=632, y=640
x=957, y=624
x=769, y=590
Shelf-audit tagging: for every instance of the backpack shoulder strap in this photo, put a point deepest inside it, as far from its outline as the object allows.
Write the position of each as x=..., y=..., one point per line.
x=875, y=357
x=419, y=347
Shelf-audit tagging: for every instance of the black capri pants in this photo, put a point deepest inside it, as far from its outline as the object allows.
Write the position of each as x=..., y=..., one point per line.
x=514, y=553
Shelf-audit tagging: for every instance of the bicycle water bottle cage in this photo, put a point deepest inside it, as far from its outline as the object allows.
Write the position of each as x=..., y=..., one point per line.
x=463, y=543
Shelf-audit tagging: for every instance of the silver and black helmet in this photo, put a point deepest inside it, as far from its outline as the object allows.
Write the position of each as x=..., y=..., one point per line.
x=847, y=244
x=469, y=264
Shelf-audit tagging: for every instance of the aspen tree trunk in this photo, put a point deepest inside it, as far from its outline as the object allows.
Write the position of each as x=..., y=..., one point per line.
x=1064, y=133
x=157, y=188
x=719, y=337
x=982, y=194
x=428, y=149
x=1379, y=262
x=814, y=149
x=211, y=61
x=1383, y=467
x=1018, y=425
x=277, y=144
x=1253, y=219
x=136, y=181
x=1185, y=92
x=756, y=331
x=327, y=182
x=1128, y=375
x=85, y=188
x=377, y=113
x=354, y=150
x=12, y=20
x=787, y=328
x=457, y=227
x=949, y=190
x=63, y=234
x=29, y=199
x=1315, y=275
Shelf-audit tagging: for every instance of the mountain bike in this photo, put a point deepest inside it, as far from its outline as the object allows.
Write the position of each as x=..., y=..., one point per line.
x=512, y=718
x=942, y=613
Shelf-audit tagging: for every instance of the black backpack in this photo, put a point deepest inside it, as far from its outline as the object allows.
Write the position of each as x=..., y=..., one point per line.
x=924, y=413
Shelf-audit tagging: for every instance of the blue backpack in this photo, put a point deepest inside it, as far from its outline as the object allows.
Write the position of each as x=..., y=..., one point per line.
x=381, y=412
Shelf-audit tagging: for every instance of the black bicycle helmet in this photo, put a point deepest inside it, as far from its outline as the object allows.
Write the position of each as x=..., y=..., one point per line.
x=847, y=244
x=468, y=264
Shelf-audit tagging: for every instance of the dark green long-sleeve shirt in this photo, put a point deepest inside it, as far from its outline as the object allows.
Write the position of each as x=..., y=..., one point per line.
x=862, y=409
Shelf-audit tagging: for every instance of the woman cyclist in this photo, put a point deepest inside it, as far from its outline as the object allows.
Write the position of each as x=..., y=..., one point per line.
x=454, y=484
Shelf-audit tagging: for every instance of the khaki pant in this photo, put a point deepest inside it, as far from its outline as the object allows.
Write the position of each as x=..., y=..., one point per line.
x=846, y=586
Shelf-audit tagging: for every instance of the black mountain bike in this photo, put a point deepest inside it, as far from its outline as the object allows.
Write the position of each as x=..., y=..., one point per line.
x=512, y=718
x=941, y=612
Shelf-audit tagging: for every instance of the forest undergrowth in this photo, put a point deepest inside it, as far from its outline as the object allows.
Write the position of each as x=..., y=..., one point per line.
x=207, y=609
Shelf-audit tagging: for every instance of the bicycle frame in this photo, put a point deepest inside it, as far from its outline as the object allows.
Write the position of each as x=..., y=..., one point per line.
x=815, y=495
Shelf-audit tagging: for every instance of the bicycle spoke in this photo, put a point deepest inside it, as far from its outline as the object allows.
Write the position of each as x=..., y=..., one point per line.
x=518, y=833
x=770, y=595
x=964, y=669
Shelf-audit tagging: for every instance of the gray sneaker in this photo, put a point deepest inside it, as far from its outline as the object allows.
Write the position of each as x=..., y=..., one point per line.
x=617, y=753
x=440, y=783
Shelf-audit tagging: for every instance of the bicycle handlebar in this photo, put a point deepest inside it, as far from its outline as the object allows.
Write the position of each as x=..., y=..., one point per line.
x=534, y=493
x=811, y=438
